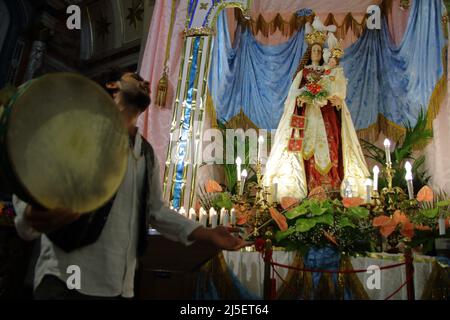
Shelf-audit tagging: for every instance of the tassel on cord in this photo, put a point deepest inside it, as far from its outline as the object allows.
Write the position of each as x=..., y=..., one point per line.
x=162, y=89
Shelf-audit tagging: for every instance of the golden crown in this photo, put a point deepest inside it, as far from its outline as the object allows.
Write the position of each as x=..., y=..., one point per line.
x=316, y=37
x=337, y=53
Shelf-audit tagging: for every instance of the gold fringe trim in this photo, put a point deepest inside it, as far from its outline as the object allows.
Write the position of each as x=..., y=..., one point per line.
x=289, y=27
x=349, y=23
x=211, y=111
x=300, y=285
x=439, y=93
x=352, y=282
x=438, y=285
x=389, y=128
x=241, y=121
x=217, y=270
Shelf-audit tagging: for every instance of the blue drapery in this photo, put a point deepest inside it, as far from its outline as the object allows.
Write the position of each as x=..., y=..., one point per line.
x=394, y=81
x=252, y=76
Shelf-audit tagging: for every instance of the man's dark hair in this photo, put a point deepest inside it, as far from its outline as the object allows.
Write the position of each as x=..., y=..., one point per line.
x=137, y=96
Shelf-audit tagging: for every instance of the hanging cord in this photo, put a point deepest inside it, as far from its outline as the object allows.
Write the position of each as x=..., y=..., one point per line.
x=163, y=84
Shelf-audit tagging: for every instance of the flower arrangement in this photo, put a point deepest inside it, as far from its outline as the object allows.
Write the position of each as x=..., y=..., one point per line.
x=315, y=90
x=417, y=225
x=324, y=222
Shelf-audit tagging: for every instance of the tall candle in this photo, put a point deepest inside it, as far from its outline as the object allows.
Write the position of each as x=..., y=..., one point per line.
x=387, y=148
x=226, y=218
x=222, y=215
x=441, y=223
x=213, y=217
x=192, y=214
x=368, y=191
x=182, y=211
x=233, y=217
x=203, y=217
x=260, y=143
x=275, y=190
x=244, y=177
x=238, y=166
x=409, y=180
x=376, y=172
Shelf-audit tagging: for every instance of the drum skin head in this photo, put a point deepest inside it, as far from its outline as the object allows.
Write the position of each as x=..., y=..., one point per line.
x=67, y=143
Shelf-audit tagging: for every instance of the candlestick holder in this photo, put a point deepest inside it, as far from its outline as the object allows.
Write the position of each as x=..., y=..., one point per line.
x=378, y=207
x=238, y=189
x=389, y=193
x=261, y=204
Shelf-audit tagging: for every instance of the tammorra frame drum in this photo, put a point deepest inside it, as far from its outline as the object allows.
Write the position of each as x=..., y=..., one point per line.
x=63, y=144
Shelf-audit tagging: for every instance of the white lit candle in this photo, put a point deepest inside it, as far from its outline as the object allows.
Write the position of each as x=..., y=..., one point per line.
x=213, y=217
x=192, y=214
x=275, y=190
x=368, y=191
x=238, y=165
x=226, y=218
x=387, y=148
x=376, y=172
x=244, y=177
x=223, y=211
x=409, y=180
x=203, y=217
x=260, y=144
x=233, y=217
x=441, y=223
x=182, y=211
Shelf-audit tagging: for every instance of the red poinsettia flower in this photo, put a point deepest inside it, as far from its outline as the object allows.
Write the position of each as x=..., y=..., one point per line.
x=328, y=72
x=352, y=202
x=407, y=229
x=425, y=194
x=388, y=225
x=288, y=202
x=213, y=187
x=279, y=218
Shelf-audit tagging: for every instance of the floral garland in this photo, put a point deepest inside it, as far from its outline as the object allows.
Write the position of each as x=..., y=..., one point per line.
x=348, y=225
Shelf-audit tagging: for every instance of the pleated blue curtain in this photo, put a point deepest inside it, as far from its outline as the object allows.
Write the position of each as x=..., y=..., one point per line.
x=252, y=76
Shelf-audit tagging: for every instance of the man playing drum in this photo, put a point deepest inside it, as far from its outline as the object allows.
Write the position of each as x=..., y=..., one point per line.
x=105, y=244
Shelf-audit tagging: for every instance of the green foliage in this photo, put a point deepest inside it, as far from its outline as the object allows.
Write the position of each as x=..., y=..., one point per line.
x=222, y=200
x=231, y=169
x=309, y=221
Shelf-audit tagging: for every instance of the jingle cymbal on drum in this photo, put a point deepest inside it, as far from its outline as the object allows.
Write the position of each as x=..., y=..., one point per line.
x=64, y=143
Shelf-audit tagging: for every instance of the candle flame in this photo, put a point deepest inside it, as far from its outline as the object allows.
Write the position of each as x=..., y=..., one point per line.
x=376, y=170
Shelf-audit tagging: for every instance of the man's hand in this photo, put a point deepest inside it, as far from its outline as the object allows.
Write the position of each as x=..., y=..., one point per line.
x=47, y=221
x=220, y=236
